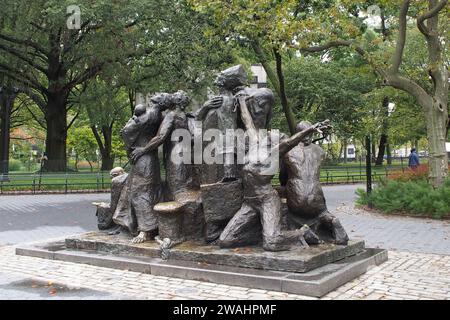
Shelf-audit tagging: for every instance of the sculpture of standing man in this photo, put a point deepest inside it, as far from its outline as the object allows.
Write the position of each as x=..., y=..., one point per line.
x=224, y=117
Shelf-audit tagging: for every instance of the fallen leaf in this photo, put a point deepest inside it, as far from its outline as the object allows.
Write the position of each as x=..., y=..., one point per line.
x=202, y=264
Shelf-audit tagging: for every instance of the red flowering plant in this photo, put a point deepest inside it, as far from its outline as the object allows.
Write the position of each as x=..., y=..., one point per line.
x=418, y=173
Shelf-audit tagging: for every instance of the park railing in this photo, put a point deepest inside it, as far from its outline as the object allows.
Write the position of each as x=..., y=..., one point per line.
x=355, y=174
x=72, y=182
x=69, y=182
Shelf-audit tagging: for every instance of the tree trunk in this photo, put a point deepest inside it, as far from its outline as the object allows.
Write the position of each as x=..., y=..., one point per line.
x=389, y=154
x=6, y=102
x=345, y=150
x=381, y=150
x=341, y=149
x=76, y=162
x=436, y=128
x=384, y=132
x=277, y=81
x=373, y=147
x=415, y=145
x=105, y=146
x=132, y=99
x=283, y=98
x=448, y=127
x=107, y=155
x=107, y=163
x=55, y=141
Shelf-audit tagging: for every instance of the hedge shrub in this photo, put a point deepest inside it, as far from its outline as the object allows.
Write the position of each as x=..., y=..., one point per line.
x=415, y=197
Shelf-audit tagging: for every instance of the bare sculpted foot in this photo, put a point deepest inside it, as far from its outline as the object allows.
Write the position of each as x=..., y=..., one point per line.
x=141, y=237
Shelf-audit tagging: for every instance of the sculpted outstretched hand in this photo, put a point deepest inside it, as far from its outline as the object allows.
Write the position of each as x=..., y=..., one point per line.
x=322, y=126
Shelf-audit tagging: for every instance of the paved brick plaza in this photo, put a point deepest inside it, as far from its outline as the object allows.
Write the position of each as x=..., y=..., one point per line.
x=418, y=265
x=404, y=276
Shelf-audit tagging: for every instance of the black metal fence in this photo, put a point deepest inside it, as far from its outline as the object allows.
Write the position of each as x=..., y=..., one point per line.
x=55, y=182
x=73, y=182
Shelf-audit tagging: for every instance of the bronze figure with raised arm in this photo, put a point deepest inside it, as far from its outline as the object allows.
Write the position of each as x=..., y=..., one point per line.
x=261, y=209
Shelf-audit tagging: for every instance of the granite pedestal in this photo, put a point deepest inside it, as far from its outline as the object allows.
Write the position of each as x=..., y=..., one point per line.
x=312, y=271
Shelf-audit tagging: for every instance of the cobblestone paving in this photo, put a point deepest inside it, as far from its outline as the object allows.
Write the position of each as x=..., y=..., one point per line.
x=20, y=287
x=28, y=218
x=404, y=276
x=396, y=232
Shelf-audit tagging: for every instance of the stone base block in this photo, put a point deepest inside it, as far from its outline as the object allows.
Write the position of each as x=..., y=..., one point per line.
x=317, y=282
x=296, y=260
x=220, y=202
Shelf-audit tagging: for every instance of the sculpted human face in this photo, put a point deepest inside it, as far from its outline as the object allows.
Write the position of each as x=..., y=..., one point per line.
x=138, y=111
x=303, y=126
x=231, y=78
x=220, y=81
x=161, y=100
x=180, y=99
x=118, y=171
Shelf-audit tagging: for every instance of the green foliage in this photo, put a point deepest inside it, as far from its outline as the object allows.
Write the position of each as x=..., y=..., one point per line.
x=104, y=103
x=278, y=24
x=329, y=90
x=411, y=197
x=117, y=145
x=274, y=30
x=362, y=197
x=183, y=56
x=81, y=140
x=15, y=165
x=134, y=45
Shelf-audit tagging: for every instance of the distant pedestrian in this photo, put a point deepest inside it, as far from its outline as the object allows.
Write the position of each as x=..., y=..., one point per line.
x=413, y=161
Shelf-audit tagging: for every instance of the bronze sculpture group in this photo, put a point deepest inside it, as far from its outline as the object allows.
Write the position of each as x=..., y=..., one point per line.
x=229, y=203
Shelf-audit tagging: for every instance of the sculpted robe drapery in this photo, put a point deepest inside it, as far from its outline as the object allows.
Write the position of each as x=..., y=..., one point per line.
x=143, y=189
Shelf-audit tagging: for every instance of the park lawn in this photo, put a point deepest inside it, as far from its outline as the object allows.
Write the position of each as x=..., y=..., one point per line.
x=56, y=181
x=86, y=180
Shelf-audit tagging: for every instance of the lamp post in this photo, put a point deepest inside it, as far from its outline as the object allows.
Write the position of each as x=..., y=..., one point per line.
x=368, y=168
x=43, y=159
